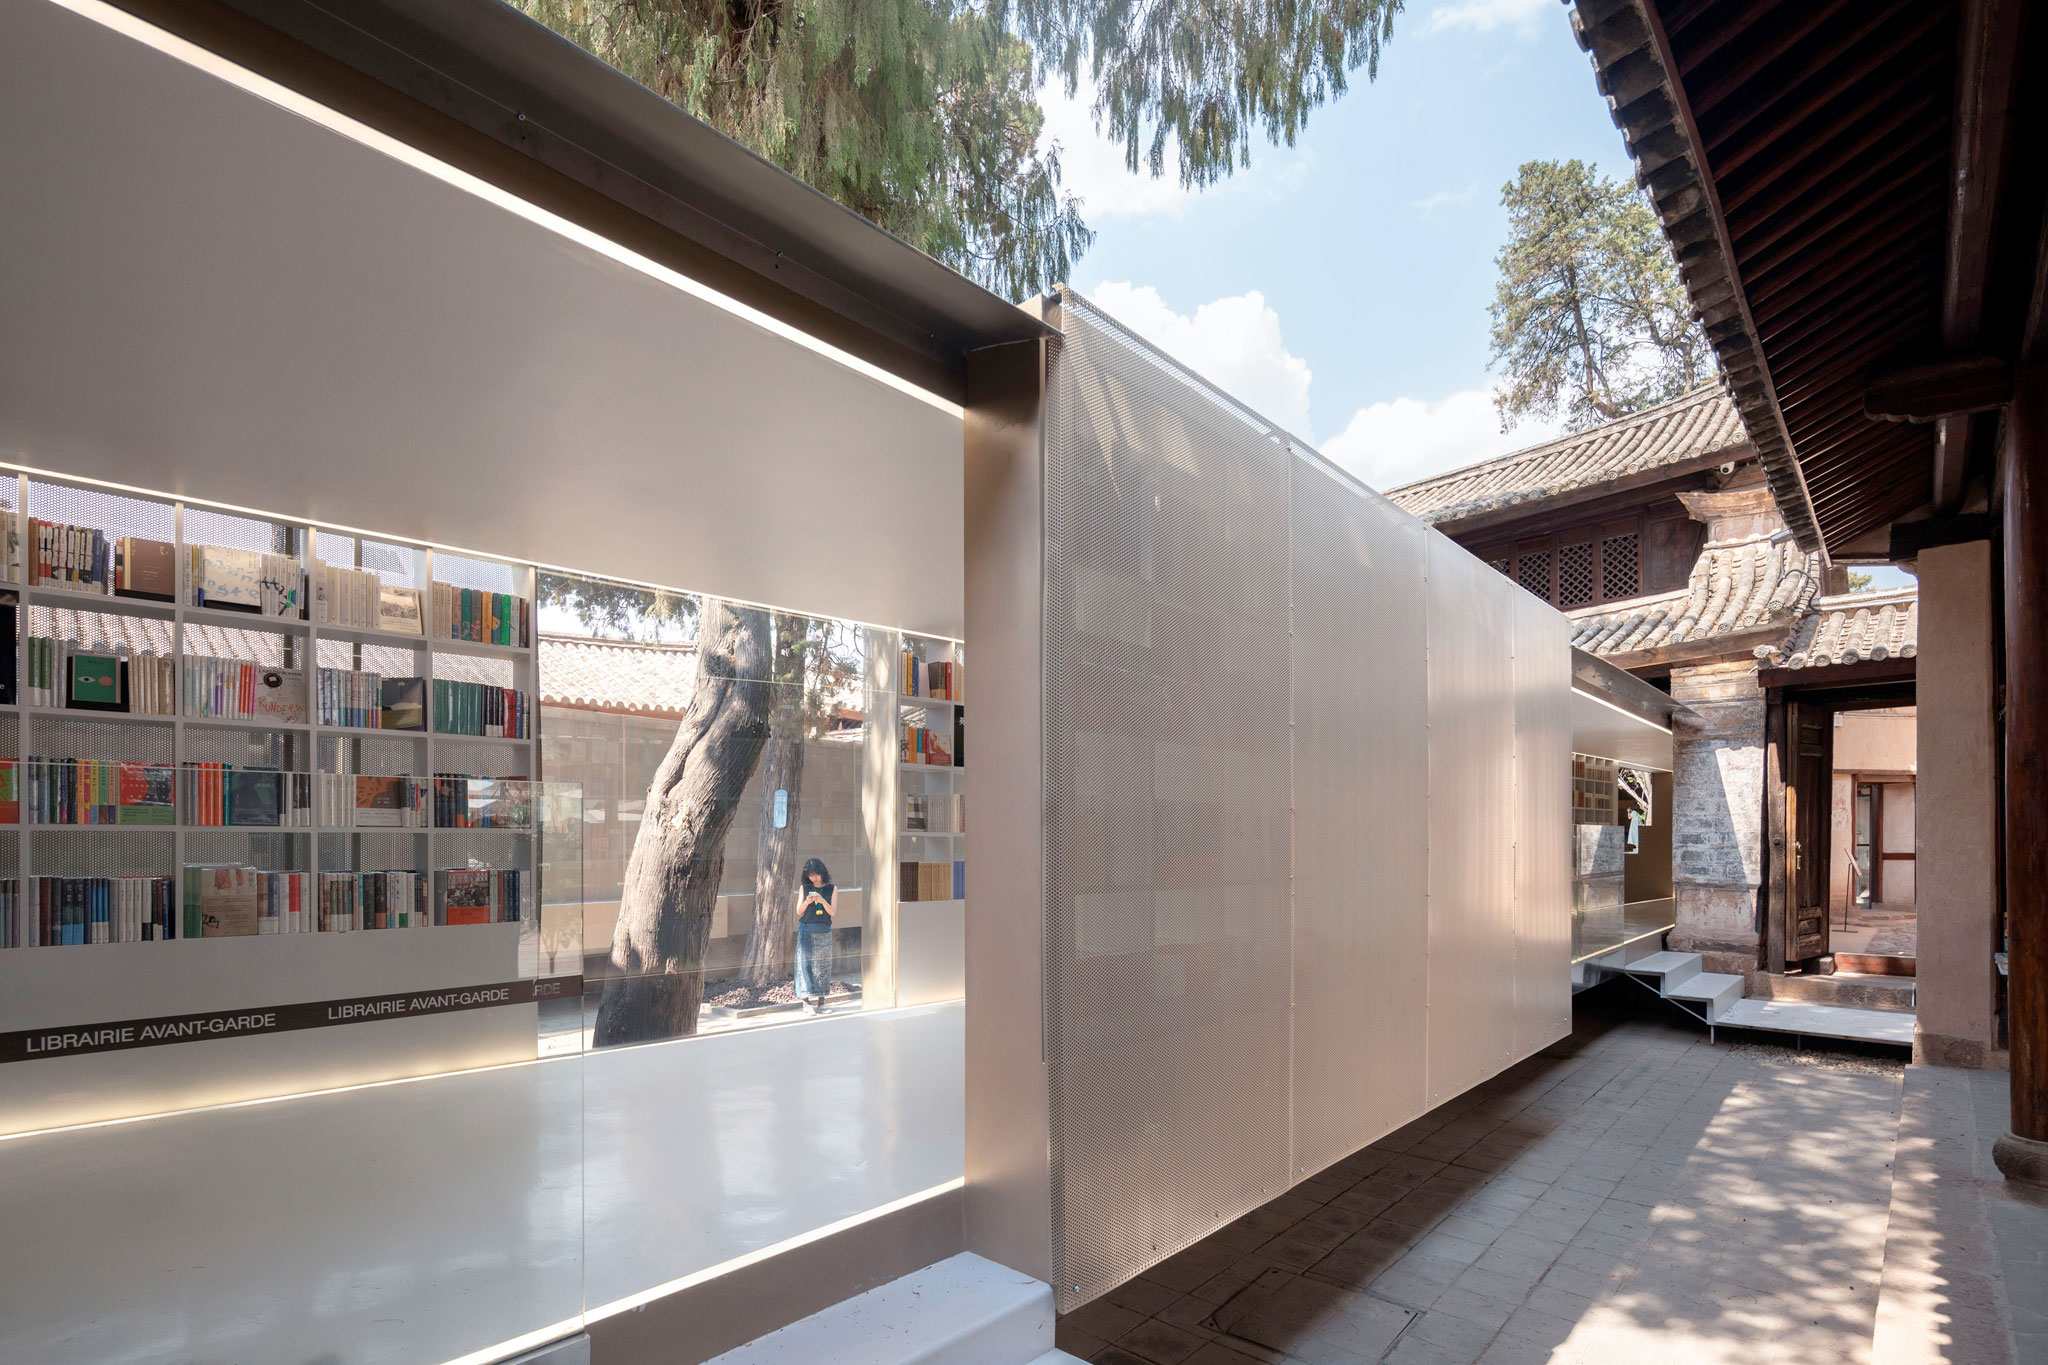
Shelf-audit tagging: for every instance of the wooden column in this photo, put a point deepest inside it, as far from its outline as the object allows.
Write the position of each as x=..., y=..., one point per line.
x=2023, y=1152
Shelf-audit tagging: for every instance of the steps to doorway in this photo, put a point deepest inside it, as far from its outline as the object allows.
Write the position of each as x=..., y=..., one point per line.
x=1718, y=1000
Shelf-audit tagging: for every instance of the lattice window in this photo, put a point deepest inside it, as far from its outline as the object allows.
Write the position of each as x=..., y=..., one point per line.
x=1575, y=574
x=1620, y=566
x=1532, y=571
x=1501, y=567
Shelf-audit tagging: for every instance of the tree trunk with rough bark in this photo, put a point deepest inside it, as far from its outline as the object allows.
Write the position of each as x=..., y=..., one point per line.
x=767, y=958
x=672, y=877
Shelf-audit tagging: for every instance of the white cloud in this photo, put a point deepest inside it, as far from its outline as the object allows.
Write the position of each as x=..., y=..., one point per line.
x=1093, y=167
x=1428, y=206
x=1484, y=16
x=1389, y=444
x=1234, y=343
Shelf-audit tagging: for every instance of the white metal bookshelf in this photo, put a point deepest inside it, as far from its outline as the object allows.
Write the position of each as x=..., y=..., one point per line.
x=306, y=645
x=947, y=845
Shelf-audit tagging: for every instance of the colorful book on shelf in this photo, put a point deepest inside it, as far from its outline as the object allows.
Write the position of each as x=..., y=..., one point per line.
x=220, y=901
x=479, y=709
x=145, y=569
x=385, y=802
x=479, y=895
x=404, y=703
x=493, y=618
x=77, y=558
x=398, y=610
x=10, y=792
x=94, y=683
x=10, y=652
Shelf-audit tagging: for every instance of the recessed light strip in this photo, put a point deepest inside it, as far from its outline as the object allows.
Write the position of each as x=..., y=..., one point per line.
x=293, y=102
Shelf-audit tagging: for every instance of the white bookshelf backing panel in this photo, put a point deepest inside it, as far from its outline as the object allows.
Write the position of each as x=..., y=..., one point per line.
x=374, y=850
x=115, y=514
x=490, y=671
x=274, y=850
x=399, y=566
x=281, y=749
x=483, y=575
x=483, y=758
x=85, y=851
x=78, y=734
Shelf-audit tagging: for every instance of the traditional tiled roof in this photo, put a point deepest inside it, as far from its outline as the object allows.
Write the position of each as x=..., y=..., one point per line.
x=1850, y=628
x=115, y=632
x=1700, y=424
x=1736, y=589
x=602, y=675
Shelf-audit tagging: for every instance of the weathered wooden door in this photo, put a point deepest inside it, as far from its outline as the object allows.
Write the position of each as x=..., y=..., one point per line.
x=1809, y=737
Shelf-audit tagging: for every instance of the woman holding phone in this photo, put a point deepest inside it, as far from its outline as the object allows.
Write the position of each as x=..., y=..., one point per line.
x=817, y=902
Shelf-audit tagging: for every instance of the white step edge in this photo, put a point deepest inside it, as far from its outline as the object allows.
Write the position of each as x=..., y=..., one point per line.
x=965, y=1310
x=1670, y=968
x=1822, y=1021
x=1058, y=1357
x=1716, y=990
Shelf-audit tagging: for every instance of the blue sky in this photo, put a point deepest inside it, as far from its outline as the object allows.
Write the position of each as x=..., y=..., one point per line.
x=1340, y=286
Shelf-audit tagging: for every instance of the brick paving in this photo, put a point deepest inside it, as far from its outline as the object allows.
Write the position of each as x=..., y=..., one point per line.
x=1635, y=1196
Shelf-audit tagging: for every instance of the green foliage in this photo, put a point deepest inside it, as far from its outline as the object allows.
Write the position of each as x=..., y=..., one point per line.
x=1859, y=582
x=1589, y=316
x=1204, y=77
x=919, y=114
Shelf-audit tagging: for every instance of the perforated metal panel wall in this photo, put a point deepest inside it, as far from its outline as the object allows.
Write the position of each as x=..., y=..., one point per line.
x=1471, y=820
x=1361, y=817
x=1167, y=789
x=1543, y=871
x=1293, y=743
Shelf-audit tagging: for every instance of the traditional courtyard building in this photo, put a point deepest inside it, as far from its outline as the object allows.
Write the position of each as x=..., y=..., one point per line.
x=1657, y=535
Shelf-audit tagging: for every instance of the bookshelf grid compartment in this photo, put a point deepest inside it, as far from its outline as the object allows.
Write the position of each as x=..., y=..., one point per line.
x=87, y=615
x=931, y=861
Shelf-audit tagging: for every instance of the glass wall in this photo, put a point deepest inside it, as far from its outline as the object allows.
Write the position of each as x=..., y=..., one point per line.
x=755, y=773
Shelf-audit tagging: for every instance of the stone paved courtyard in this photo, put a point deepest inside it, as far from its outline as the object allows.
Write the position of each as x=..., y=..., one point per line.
x=1635, y=1196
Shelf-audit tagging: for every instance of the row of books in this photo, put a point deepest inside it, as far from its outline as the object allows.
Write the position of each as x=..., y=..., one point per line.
x=97, y=791
x=88, y=791
x=464, y=802
x=927, y=747
x=255, y=581
x=231, y=689
x=479, y=895
x=67, y=911
x=492, y=618
x=936, y=813
x=466, y=708
x=932, y=881
x=58, y=672
x=939, y=680
x=370, y=701
x=347, y=801
x=224, y=794
x=359, y=599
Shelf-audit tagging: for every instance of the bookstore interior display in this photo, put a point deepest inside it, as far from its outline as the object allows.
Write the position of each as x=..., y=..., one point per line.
x=215, y=726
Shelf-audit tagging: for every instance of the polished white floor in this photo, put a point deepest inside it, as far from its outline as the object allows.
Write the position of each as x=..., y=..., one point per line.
x=419, y=1222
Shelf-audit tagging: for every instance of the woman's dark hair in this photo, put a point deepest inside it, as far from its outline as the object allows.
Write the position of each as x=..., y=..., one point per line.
x=824, y=875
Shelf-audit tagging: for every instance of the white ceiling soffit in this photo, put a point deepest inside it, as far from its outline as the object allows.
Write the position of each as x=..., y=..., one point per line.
x=205, y=293
x=1603, y=730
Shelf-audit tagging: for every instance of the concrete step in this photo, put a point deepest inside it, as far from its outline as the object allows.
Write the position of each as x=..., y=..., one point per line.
x=1669, y=968
x=1891, y=1027
x=1715, y=990
x=1853, y=991
x=962, y=1311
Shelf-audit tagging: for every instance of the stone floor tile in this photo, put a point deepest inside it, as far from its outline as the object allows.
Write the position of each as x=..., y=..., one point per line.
x=1142, y=1296
x=1074, y=1341
x=1409, y=1287
x=1216, y=1353
x=1103, y=1319
x=1448, y=1246
x=1191, y=1314
x=1446, y=1329
x=1519, y=1264
x=1161, y=1343
x=1413, y=1350
x=1219, y=1288
x=1509, y=1288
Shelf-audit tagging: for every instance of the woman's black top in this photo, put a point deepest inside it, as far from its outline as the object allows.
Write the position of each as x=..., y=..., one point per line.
x=813, y=912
